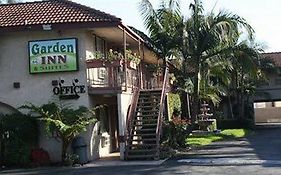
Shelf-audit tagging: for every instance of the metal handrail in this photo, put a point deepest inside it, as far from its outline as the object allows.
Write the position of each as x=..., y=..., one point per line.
x=161, y=111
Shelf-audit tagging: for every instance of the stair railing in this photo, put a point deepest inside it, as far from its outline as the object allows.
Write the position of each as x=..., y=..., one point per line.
x=161, y=111
x=131, y=116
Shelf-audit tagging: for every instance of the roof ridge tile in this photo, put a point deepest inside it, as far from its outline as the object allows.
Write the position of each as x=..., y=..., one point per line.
x=59, y=12
x=86, y=8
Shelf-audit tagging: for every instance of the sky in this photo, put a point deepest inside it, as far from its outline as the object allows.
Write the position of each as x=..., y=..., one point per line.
x=263, y=15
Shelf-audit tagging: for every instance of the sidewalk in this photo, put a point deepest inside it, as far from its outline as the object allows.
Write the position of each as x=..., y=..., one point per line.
x=93, y=164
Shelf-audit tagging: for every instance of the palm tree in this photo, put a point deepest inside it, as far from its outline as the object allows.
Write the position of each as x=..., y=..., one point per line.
x=249, y=71
x=208, y=37
x=162, y=24
x=199, y=41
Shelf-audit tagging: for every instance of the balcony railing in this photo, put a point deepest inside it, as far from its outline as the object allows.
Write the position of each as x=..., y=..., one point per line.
x=110, y=76
x=153, y=82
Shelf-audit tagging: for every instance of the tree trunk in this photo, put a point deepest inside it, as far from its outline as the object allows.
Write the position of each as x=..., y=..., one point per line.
x=64, y=150
x=184, y=105
x=230, y=106
x=188, y=106
x=196, y=92
x=241, y=99
x=242, y=106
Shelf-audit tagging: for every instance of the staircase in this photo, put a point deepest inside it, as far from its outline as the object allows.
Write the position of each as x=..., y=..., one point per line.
x=142, y=142
x=144, y=122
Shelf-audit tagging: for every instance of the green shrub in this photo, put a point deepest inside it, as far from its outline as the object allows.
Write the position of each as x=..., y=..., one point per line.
x=174, y=104
x=65, y=121
x=175, y=133
x=19, y=134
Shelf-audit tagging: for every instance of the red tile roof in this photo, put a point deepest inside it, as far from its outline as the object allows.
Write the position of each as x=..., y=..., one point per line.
x=274, y=56
x=51, y=12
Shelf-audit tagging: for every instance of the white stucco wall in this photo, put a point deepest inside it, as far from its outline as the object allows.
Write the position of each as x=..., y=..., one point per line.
x=268, y=115
x=37, y=88
x=124, y=100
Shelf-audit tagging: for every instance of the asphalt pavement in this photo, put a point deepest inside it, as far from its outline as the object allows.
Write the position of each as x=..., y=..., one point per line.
x=259, y=153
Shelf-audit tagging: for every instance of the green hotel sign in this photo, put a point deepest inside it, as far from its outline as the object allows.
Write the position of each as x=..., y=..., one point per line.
x=59, y=55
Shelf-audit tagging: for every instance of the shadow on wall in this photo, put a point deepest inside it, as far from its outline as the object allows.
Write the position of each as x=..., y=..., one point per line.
x=93, y=139
x=53, y=145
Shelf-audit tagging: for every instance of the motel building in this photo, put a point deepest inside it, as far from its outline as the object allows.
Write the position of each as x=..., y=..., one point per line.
x=58, y=50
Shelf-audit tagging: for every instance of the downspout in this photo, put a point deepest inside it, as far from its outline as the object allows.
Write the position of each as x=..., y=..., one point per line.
x=143, y=77
x=125, y=57
x=140, y=84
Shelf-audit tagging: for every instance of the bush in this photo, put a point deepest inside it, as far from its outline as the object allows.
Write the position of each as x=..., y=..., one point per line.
x=174, y=104
x=66, y=122
x=19, y=135
x=175, y=133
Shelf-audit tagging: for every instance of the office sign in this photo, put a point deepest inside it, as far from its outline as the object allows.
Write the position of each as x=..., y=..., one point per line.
x=58, y=55
x=70, y=91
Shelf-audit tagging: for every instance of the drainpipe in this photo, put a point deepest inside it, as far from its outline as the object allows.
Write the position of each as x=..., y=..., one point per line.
x=125, y=57
x=143, y=78
x=140, y=68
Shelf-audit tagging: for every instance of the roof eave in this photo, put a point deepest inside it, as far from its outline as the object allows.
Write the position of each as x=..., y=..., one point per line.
x=131, y=32
x=59, y=26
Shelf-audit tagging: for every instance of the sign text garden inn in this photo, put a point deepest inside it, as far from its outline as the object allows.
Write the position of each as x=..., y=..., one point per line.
x=58, y=55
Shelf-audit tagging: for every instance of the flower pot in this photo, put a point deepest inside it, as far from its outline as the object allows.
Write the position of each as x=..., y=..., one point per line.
x=94, y=63
x=132, y=65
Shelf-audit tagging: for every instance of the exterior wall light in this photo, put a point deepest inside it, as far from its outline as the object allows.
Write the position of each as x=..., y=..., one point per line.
x=16, y=85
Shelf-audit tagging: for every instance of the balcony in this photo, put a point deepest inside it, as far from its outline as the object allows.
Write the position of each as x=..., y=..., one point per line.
x=115, y=74
x=111, y=77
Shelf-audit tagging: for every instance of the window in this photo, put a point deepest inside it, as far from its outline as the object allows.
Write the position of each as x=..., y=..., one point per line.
x=99, y=45
x=102, y=73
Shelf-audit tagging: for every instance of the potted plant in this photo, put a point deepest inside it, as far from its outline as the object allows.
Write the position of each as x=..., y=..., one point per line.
x=111, y=59
x=66, y=122
x=133, y=59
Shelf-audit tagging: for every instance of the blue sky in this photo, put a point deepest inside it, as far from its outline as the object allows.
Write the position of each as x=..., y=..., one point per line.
x=263, y=15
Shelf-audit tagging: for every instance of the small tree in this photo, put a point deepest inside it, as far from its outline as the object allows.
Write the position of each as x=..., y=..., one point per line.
x=66, y=122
